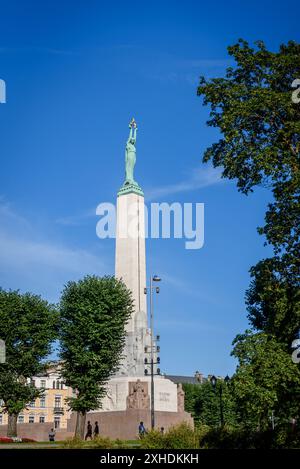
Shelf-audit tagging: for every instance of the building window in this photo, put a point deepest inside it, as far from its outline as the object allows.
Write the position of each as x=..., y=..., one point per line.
x=42, y=401
x=21, y=419
x=1, y=419
x=42, y=418
x=32, y=404
x=32, y=382
x=53, y=384
x=43, y=383
x=56, y=422
x=57, y=402
x=61, y=385
x=31, y=419
x=57, y=384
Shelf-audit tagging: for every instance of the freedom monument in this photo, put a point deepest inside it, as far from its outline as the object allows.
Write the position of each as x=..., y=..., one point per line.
x=131, y=395
x=128, y=398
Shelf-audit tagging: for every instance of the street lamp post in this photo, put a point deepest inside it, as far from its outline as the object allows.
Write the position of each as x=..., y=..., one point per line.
x=213, y=381
x=153, y=278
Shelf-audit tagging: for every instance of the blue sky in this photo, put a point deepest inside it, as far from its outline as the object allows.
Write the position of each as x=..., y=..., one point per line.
x=76, y=72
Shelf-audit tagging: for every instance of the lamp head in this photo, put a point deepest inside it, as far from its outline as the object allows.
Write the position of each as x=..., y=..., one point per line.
x=213, y=381
x=156, y=278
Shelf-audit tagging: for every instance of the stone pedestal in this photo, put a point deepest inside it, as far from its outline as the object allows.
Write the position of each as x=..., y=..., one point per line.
x=124, y=425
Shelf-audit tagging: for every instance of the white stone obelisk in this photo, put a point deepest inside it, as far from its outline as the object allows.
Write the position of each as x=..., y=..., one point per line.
x=130, y=252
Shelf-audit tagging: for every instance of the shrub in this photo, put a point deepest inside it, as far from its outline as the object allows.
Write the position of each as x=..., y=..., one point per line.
x=100, y=442
x=152, y=440
x=181, y=436
x=73, y=443
x=226, y=438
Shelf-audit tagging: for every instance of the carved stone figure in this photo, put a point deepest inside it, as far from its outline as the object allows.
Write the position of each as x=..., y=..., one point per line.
x=180, y=398
x=138, y=397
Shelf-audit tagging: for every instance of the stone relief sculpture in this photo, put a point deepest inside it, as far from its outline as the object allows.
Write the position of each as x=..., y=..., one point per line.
x=180, y=398
x=138, y=397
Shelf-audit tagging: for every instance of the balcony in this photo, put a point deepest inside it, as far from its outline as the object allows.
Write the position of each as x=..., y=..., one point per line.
x=58, y=410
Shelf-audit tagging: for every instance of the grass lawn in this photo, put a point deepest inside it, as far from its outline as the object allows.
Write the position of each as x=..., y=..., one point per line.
x=130, y=444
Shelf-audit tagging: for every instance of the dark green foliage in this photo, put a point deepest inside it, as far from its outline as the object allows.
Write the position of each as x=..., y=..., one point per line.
x=94, y=312
x=204, y=403
x=266, y=380
x=28, y=325
x=260, y=146
x=273, y=300
x=260, y=126
x=178, y=437
x=226, y=438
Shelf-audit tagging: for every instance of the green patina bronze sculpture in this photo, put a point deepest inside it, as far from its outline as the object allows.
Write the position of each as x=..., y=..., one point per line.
x=130, y=185
x=130, y=153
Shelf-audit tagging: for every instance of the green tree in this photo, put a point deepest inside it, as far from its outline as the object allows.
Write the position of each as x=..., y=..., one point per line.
x=204, y=403
x=94, y=312
x=266, y=381
x=28, y=324
x=259, y=146
x=260, y=127
x=273, y=301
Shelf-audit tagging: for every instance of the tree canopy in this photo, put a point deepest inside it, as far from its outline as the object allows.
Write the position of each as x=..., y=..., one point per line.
x=259, y=145
x=260, y=125
x=266, y=380
x=93, y=315
x=28, y=325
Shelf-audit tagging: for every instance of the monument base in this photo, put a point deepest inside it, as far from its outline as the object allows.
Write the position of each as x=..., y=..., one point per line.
x=124, y=424
x=133, y=392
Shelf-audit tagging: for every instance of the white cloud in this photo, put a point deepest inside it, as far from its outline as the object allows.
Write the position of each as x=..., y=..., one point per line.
x=200, y=177
x=18, y=252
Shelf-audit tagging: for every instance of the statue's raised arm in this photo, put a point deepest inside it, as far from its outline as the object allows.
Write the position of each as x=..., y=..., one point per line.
x=132, y=131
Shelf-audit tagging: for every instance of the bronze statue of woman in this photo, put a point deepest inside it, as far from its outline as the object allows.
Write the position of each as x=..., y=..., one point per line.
x=130, y=153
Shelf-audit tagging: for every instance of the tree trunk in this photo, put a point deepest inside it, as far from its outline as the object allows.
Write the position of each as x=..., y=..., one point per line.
x=12, y=425
x=80, y=425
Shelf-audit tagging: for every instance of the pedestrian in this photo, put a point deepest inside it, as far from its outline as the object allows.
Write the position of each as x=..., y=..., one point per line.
x=142, y=430
x=96, y=430
x=52, y=435
x=89, y=432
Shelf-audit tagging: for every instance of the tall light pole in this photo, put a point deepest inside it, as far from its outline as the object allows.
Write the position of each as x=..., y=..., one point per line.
x=153, y=278
x=213, y=381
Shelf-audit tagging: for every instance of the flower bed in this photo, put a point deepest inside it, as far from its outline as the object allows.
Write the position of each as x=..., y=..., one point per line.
x=6, y=439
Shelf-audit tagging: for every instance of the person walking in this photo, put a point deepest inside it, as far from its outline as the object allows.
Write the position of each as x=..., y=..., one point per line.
x=142, y=430
x=89, y=431
x=52, y=435
x=96, y=430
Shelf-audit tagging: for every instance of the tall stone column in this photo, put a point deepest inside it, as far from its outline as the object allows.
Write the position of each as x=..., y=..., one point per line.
x=130, y=252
